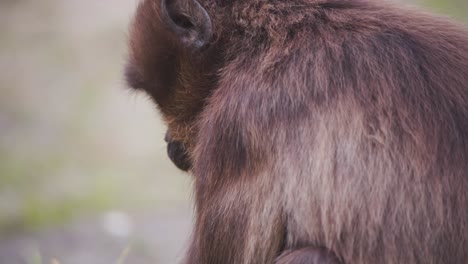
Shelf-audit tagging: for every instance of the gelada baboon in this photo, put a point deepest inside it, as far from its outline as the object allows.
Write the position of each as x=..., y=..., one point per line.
x=317, y=131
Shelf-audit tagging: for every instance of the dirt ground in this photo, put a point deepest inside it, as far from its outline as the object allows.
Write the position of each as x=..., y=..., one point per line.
x=154, y=238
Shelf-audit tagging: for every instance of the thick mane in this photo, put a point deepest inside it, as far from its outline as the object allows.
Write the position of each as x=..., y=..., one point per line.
x=377, y=99
x=313, y=128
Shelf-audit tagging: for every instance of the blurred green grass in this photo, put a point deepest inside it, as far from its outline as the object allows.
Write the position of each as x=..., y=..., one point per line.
x=454, y=8
x=73, y=140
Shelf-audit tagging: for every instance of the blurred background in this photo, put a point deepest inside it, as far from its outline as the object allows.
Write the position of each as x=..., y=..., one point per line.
x=84, y=176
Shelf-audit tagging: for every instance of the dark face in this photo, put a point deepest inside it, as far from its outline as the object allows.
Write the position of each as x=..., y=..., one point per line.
x=173, y=59
x=177, y=153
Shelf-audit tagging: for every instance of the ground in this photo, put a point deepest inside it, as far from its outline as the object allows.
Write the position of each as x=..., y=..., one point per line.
x=152, y=238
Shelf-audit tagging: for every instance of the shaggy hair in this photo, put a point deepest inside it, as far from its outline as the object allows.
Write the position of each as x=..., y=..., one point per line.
x=337, y=124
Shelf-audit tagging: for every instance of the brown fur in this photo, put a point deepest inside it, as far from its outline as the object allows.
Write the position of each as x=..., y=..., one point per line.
x=317, y=123
x=309, y=255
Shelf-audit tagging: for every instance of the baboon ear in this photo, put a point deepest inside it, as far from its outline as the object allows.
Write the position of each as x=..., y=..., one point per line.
x=188, y=20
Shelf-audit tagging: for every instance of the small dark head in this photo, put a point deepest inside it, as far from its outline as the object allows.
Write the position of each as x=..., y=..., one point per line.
x=174, y=58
